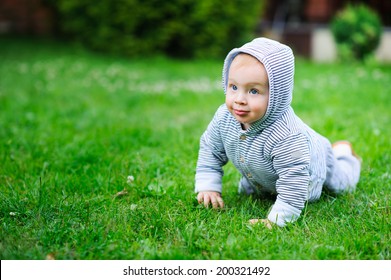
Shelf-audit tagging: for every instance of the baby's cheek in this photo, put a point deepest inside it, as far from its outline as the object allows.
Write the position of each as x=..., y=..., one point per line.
x=228, y=102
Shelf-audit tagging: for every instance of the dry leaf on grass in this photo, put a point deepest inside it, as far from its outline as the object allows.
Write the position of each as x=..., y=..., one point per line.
x=121, y=193
x=50, y=256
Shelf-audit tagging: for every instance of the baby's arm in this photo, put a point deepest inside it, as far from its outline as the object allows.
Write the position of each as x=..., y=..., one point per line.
x=209, y=171
x=213, y=198
x=291, y=160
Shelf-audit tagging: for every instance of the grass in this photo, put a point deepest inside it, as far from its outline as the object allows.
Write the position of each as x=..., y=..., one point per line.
x=74, y=125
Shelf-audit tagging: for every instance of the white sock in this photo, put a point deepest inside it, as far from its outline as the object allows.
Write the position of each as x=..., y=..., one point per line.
x=342, y=149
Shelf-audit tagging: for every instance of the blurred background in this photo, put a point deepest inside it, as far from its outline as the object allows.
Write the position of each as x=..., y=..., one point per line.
x=186, y=28
x=93, y=92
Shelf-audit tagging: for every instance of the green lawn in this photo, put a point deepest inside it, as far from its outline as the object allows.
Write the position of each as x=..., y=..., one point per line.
x=74, y=125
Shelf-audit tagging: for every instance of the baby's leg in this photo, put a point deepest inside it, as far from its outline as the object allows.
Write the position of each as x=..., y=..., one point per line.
x=245, y=187
x=343, y=168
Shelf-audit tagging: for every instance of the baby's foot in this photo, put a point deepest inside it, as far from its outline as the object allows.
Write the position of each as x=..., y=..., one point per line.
x=343, y=148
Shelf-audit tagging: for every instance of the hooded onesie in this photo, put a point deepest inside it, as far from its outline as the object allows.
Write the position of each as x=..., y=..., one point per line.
x=279, y=153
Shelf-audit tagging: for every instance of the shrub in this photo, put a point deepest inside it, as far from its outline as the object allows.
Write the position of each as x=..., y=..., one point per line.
x=185, y=28
x=357, y=31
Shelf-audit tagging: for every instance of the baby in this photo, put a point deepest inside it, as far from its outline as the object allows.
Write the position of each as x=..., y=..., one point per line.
x=273, y=149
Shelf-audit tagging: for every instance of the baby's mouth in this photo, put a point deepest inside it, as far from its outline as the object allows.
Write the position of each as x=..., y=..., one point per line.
x=240, y=112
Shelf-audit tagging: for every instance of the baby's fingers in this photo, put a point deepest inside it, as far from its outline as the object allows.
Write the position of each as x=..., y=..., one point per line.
x=266, y=222
x=217, y=202
x=207, y=200
x=204, y=198
x=210, y=198
x=200, y=198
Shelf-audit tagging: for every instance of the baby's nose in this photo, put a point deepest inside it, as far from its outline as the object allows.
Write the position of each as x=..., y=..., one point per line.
x=240, y=98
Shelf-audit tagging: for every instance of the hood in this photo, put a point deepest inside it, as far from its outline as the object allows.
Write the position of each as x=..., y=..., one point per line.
x=278, y=61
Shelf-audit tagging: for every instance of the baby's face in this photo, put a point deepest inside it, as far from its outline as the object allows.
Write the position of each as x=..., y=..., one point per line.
x=247, y=94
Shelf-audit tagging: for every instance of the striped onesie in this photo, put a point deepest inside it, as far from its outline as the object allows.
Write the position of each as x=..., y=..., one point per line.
x=278, y=153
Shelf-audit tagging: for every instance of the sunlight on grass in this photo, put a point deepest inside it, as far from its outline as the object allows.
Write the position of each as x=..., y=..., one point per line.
x=76, y=125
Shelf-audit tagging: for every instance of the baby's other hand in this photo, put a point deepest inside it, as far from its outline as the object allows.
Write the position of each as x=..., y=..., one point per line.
x=266, y=222
x=213, y=198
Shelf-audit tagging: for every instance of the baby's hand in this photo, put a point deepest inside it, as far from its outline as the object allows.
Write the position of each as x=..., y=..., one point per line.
x=266, y=222
x=213, y=198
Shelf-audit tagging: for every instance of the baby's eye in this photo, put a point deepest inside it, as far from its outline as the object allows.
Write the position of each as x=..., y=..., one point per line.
x=253, y=91
x=234, y=87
